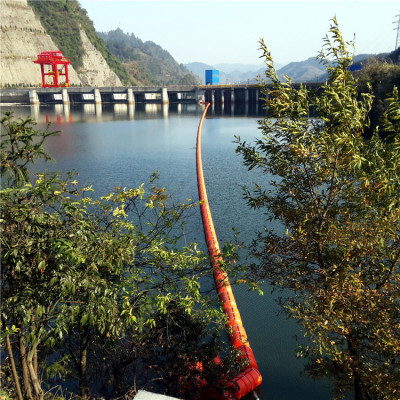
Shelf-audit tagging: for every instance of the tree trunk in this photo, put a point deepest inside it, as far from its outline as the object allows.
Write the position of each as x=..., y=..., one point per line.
x=35, y=354
x=13, y=368
x=83, y=385
x=25, y=371
x=359, y=393
x=35, y=361
x=39, y=395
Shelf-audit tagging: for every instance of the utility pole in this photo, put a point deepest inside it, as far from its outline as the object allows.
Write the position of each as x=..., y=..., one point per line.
x=398, y=32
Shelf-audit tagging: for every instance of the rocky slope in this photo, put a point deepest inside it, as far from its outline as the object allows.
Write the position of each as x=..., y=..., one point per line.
x=23, y=37
x=95, y=70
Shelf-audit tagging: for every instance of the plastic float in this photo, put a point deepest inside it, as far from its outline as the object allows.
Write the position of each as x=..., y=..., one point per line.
x=250, y=378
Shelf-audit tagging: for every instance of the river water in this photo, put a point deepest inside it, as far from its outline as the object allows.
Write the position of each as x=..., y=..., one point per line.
x=123, y=146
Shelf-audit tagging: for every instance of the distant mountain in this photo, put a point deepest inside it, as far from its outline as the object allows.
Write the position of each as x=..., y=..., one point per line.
x=235, y=68
x=302, y=71
x=394, y=56
x=310, y=70
x=228, y=73
x=357, y=60
x=146, y=62
x=199, y=69
x=307, y=70
x=390, y=57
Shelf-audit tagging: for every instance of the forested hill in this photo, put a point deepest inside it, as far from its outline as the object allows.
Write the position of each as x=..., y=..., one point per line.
x=135, y=62
x=146, y=62
x=63, y=21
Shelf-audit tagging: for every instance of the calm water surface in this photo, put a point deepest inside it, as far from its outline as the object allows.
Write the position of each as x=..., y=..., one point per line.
x=123, y=146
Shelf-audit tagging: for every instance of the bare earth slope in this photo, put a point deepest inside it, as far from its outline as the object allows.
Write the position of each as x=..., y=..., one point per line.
x=95, y=70
x=23, y=37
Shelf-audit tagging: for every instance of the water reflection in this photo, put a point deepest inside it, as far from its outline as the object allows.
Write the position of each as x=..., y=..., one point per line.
x=92, y=112
x=120, y=109
x=162, y=138
x=34, y=111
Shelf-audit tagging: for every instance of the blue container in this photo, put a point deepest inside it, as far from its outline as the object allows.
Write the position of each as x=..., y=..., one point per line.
x=212, y=77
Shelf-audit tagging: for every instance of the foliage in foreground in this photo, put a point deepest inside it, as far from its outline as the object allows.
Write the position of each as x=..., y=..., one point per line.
x=382, y=75
x=96, y=291
x=337, y=197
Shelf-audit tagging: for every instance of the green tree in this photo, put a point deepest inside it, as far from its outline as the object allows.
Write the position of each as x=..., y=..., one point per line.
x=89, y=283
x=382, y=75
x=335, y=195
x=146, y=62
x=21, y=145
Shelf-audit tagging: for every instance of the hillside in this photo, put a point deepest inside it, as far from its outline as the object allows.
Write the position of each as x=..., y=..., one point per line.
x=310, y=70
x=146, y=62
x=24, y=35
x=198, y=68
x=22, y=38
x=302, y=71
x=29, y=27
x=74, y=34
x=228, y=73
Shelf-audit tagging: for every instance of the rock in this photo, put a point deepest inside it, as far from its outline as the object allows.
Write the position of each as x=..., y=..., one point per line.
x=95, y=70
x=23, y=37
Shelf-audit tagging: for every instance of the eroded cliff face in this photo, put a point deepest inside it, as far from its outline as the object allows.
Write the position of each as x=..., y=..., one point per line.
x=23, y=37
x=95, y=70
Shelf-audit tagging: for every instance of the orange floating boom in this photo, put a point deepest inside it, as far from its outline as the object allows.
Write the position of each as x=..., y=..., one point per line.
x=250, y=377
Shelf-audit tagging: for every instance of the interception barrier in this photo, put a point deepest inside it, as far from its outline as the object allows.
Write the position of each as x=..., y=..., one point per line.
x=250, y=377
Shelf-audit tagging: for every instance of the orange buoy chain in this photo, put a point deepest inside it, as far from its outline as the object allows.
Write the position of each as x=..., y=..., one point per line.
x=250, y=377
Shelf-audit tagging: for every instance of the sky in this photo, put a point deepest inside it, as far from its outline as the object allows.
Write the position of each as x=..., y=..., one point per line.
x=228, y=31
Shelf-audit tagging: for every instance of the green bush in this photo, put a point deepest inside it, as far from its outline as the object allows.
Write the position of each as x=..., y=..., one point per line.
x=382, y=76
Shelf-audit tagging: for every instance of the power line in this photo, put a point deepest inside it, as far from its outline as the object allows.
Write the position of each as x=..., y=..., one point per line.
x=398, y=32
